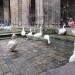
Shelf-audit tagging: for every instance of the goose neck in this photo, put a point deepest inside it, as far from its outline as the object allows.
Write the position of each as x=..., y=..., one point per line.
x=30, y=30
x=74, y=48
x=23, y=28
x=40, y=29
x=64, y=26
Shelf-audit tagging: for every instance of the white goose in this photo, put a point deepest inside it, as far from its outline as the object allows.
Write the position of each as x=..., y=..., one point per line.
x=38, y=35
x=72, y=58
x=62, y=30
x=73, y=32
x=12, y=43
x=47, y=37
x=23, y=33
x=29, y=34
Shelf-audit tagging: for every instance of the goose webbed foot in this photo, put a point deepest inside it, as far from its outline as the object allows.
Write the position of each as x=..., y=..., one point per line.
x=13, y=50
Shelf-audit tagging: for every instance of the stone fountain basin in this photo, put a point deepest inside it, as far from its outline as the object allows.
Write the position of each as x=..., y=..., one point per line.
x=35, y=57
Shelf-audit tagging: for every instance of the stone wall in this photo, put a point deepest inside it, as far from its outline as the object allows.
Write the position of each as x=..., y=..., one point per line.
x=1, y=12
x=39, y=12
x=51, y=11
x=46, y=12
x=6, y=10
x=25, y=11
x=14, y=11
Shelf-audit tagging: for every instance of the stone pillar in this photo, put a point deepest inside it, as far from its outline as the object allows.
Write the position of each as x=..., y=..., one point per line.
x=25, y=12
x=47, y=12
x=39, y=11
x=14, y=12
x=20, y=12
x=56, y=12
x=6, y=10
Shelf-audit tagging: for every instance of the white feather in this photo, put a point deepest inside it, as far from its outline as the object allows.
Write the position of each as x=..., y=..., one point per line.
x=30, y=33
x=73, y=32
x=12, y=43
x=38, y=35
x=47, y=37
x=72, y=58
x=62, y=30
x=23, y=33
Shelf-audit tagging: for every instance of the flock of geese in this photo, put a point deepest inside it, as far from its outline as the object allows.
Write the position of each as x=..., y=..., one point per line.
x=13, y=43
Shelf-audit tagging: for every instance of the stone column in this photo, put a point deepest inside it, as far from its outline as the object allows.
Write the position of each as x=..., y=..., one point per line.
x=39, y=11
x=56, y=12
x=6, y=10
x=25, y=12
x=14, y=12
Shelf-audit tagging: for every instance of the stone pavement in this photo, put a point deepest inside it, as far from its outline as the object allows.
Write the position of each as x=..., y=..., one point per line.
x=32, y=58
x=68, y=69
